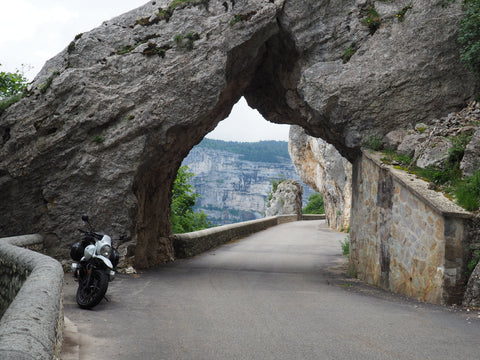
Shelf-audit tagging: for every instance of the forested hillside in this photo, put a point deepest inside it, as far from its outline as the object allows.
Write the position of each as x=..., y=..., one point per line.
x=269, y=151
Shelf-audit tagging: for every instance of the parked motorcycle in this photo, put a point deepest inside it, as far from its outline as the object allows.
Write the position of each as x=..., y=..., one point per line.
x=97, y=260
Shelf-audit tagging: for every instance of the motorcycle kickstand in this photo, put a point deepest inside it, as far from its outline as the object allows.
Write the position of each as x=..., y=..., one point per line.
x=106, y=298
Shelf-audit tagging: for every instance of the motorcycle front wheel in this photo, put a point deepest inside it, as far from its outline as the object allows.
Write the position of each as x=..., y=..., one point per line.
x=90, y=295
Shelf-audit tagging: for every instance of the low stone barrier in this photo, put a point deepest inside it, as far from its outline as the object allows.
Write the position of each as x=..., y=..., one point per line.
x=194, y=243
x=405, y=237
x=31, y=286
x=313, y=217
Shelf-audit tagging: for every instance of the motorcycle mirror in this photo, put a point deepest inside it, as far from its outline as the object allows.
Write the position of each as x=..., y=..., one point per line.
x=85, y=218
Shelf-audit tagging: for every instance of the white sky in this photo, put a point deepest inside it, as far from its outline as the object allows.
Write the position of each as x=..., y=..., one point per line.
x=33, y=31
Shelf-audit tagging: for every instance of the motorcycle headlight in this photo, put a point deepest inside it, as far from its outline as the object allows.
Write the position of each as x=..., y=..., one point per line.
x=106, y=250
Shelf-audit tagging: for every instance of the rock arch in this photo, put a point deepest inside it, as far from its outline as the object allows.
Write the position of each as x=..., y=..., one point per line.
x=108, y=121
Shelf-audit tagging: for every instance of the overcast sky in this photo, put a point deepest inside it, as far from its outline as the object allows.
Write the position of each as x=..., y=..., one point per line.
x=33, y=31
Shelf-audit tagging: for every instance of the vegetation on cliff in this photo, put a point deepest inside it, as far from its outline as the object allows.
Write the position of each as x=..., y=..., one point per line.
x=12, y=88
x=269, y=151
x=183, y=219
x=315, y=205
x=469, y=36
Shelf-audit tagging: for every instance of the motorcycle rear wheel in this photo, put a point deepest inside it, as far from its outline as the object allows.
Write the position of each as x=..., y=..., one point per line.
x=89, y=296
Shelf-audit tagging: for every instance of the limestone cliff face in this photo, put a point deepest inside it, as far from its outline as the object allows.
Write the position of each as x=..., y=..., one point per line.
x=233, y=189
x=322, y=167
x=109, y=120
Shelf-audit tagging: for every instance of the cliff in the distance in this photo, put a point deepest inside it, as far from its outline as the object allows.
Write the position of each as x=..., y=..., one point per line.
x=232, y=187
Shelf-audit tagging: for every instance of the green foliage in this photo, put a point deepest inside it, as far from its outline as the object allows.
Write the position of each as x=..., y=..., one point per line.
x=12, y=84
x=401, y=14
x=455, y=154
x=275, y=183
x=373, y=142
x=127, y=48
x=469, y=36
x=315, y=205
x=184, y=3
x=183, y=219
x=46, y=85
x=242, y=17
x=186, y=41
x=98, y=139
x=349, y=52
x=154, y=49
x=468, y=192
x=236, y=19
x=345, y=244
x=372, y=20
x=448, y=177
x=5, y=103
x=166, y=14
x=473, y=261
x=393, y=158
x=12, y=88
x=263, y=151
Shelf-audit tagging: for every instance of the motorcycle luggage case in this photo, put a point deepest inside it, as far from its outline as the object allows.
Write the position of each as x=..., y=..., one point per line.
x=76, y=252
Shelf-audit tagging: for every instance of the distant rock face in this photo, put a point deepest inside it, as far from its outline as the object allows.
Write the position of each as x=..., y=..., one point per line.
x=232, y=189
x=286, y=199
x=109, y=120
x=322, y=167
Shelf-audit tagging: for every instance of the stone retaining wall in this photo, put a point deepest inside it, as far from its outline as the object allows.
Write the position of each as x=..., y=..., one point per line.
x=31, y=286
x=405, y=237
x=194, y=243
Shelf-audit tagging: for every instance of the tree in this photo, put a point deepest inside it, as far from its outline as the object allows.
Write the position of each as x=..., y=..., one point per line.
x=315, y=205
x=12, y=88
x=183, y=219
x=12, y=84
x=469, y=36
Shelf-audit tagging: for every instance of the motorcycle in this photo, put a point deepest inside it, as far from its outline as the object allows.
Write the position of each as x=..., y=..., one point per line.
x=97, y=260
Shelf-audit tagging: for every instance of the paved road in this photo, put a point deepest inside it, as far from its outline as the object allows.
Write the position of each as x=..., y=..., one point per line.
x=274, y=295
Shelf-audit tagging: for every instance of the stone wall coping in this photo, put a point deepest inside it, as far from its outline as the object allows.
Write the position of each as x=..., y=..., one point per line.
x=313, y=216
x=419, y=187
x=196, y=242
x=31, y=327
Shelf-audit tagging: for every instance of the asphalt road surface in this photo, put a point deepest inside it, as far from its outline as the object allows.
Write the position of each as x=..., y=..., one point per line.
x=277, y=294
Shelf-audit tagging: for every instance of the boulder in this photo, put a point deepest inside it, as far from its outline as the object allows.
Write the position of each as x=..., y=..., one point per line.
x=434, y=153
x=394, y=138
x=286, y=199
x=412, y=142
x=108, y=121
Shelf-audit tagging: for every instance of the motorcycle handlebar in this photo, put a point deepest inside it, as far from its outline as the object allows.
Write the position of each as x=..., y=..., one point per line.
x=91, y=233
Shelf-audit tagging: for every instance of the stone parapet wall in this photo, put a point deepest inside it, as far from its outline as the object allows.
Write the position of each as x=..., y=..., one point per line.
x=31, y=326
x=194, y=243
x=406, y=238
x=313, y=216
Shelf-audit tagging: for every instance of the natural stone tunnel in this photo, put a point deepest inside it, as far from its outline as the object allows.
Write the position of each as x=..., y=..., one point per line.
x=108, y=121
